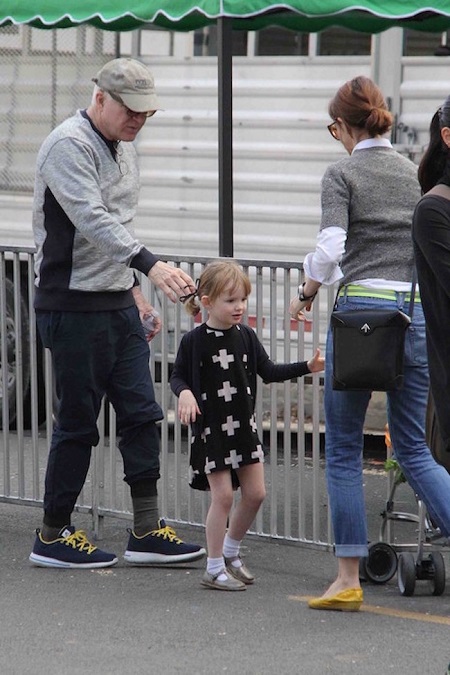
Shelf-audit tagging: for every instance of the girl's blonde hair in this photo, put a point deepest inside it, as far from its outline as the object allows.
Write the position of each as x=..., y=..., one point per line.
x=217, y=277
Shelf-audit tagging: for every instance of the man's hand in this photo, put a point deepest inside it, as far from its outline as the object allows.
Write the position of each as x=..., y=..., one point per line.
x=172, y=281
x=146, y=310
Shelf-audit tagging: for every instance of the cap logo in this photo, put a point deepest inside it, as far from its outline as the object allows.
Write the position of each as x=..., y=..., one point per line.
x=142, y=84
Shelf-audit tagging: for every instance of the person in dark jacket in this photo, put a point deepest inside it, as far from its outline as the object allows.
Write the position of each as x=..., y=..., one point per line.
x=214, y=377
x=431, y=237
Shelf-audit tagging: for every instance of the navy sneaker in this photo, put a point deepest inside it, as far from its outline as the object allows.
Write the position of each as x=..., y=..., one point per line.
x=160, y=547
x=70, y=549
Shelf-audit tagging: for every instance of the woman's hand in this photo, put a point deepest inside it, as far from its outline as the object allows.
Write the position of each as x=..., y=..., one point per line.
x=297, y=306
x=303, y=301
x=187, y=407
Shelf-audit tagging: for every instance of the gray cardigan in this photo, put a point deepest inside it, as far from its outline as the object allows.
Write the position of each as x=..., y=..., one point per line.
x=372, y=195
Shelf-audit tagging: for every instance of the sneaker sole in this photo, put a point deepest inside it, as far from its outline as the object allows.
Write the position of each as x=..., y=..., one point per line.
x=217, y=587
x=42, y=561
x=140, y=558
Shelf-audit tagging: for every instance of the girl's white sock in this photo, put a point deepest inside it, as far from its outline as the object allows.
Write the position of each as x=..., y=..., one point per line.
x=231, y=549
x=214, y=566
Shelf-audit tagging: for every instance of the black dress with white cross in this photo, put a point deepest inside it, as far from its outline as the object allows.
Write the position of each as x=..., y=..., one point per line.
x=229, y=439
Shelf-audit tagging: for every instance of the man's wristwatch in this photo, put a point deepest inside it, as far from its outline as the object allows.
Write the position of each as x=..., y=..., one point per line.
x=302, y=297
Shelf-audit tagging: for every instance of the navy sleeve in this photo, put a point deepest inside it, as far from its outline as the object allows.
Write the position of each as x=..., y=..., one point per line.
x=276, y=372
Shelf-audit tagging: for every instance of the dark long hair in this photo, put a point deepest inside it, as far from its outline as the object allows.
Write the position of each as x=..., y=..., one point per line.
x=360, y=103
x=434, y=166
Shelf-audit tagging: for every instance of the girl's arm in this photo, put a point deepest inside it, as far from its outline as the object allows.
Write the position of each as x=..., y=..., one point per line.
x=179, y=378
x=279, y=372
x=188, y=408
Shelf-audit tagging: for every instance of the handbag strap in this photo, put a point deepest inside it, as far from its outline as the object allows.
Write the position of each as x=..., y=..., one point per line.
x=412, y=296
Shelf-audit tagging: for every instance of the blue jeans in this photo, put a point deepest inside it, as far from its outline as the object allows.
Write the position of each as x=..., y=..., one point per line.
x=93, y=354
x=345, y=413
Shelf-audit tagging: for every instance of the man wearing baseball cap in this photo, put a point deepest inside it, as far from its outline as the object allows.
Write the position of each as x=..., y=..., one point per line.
x=89, y=309
x=131, y=81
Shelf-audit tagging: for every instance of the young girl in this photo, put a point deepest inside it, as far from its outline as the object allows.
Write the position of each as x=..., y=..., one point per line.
x=214, y=377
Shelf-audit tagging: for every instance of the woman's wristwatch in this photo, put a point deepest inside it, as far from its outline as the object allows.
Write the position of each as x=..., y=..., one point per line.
x=302, y=297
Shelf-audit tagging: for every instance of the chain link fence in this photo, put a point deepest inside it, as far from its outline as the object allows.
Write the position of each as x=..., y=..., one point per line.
x=45, y=77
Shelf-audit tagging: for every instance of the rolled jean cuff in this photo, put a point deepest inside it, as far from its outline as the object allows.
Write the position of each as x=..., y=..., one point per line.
x=351, y=550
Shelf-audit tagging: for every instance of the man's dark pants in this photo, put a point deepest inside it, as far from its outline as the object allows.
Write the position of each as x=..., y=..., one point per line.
x=93, y=354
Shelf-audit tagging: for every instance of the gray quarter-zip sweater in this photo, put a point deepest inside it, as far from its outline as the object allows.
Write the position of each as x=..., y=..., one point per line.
x=85, y=199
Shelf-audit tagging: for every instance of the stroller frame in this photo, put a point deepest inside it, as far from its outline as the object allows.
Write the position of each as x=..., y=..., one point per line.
x=420, y=561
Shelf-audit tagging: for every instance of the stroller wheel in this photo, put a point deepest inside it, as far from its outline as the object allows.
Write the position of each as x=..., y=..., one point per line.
x=362, y=570
x=406, y=574
x=437, y=581
x=381, y=563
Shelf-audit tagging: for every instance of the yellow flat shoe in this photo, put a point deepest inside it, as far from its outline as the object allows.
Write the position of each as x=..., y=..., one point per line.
x=349, y=600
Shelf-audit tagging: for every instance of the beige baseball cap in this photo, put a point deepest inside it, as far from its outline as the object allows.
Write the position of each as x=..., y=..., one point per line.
x=132, y=81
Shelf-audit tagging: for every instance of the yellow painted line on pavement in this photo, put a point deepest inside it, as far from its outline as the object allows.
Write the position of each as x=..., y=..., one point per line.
x=389, y=611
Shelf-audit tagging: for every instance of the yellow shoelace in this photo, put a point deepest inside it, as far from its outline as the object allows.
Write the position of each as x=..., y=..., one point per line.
x=167, y=533
x=79, y=540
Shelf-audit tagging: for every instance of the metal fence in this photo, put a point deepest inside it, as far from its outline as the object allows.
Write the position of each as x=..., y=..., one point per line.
x=288, y=415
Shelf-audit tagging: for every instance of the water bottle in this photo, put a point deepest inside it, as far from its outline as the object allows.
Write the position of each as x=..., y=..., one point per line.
x=148, y=323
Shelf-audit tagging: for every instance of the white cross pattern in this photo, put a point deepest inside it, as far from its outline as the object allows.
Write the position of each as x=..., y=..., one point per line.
x=227, y=391
x=193, y=473
x=209, y=465
x=205, y=433
x=230, y=425
x=204, y=397
x=258, y=453
x=224, y=358
x=234, y=459
x=253, y=423
x=217, y=333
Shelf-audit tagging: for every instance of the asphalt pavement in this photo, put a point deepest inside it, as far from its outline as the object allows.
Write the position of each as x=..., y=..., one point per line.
x=133, y=621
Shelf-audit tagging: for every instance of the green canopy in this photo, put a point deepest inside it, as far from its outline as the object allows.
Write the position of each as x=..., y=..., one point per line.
x=370, y=16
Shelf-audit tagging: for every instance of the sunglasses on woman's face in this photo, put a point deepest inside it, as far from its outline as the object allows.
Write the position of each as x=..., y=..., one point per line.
x=333, y=129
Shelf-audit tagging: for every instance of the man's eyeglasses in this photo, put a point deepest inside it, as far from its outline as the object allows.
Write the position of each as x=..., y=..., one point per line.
x=130, y=113
x=333, y=129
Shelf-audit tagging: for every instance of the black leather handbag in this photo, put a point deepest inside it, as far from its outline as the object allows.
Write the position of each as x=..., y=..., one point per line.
x=368, y=348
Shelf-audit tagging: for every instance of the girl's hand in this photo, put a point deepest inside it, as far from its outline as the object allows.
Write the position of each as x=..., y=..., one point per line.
x=187, y=407
x=317, y=363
